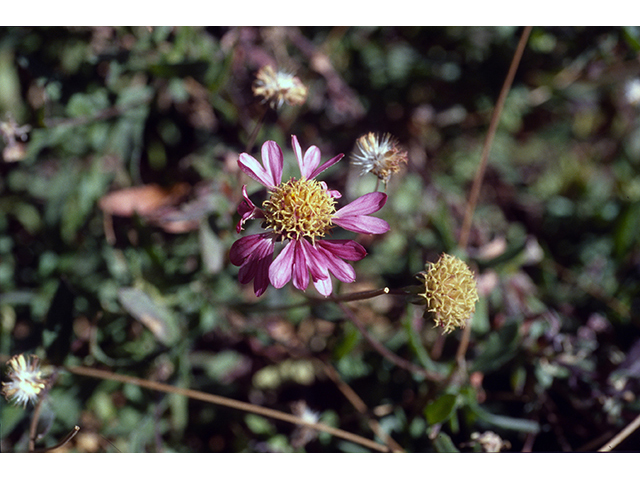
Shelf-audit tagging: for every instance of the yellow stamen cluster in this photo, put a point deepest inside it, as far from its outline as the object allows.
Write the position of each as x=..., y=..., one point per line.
x=279, y=87
x=26, y=379
x=299, y=208
x=379, y=155
x=450, y=292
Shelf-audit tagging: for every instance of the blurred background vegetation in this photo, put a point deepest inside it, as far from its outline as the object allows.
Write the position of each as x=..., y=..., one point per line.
x=118, y=196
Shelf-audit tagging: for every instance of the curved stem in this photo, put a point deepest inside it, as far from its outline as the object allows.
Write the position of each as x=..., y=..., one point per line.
x=256, y=129
x=361, y=407
x=64, y=441
x=482, y=167
x=615, y=441
x=33, y=427
x=349, y=297
x=382, y=350
x=225, y=402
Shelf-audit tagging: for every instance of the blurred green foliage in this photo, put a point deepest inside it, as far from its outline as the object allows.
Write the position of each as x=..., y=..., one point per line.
x=118, y=196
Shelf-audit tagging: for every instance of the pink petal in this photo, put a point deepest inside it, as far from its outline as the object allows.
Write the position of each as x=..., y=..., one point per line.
x=326, y=165
x=281, y=268
x=362, y=224
x=247, y=210
x=338, y=267
x=242, y=249
x=366, y=204
x=273, y=160
x=270, y=172
x=254, y=254
x=298, y=151
x=300, y=270
x=345, y=249
x=324, y=286
x=252, y=167
x=261, y=281
x=315, y=261
x=310, y=160
x=309, y=163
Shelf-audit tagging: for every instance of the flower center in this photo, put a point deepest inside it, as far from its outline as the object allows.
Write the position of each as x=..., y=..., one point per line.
x=299, y=208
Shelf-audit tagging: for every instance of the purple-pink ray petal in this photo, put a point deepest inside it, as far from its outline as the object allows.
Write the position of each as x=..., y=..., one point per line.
x=281, y=268
x=247, y=210
x=273, y=160
x=261, y=281
x=345, y=249
x=311, y=161
x=243, y=248
x=269, y=173
x=326, y=165
x=362, y=224
x=324, y=286
x=252, y=167
x=366, y=204
x=315, y=261
x=300, y=270
x=255, y=264
x=338, y=267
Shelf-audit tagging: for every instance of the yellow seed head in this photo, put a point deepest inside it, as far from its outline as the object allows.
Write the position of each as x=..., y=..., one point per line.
x=450, y=292
x=299, y=208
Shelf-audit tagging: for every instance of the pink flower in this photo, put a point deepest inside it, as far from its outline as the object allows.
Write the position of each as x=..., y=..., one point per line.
x=299, y=213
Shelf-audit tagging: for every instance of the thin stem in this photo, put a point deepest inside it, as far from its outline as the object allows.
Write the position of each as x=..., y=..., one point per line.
x=225, y=402
x=64, y=441
x=256, y=130
x=382, y=350
x=615, y=441
x=33, y=428
x=349, y=297
x=482, y=167
x=361, y=407
x=493, y=126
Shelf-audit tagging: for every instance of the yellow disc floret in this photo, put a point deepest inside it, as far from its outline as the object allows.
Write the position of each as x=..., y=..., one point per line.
x=299, y=208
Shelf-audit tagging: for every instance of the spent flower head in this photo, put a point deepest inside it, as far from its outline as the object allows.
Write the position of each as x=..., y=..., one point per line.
x=277, y=87
x=299, y=213
x=378, y=154
x=450, y=292
x=26, y=380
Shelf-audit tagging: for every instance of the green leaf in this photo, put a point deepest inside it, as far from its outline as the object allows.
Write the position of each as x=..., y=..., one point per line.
x=444, y=444
x=259, y=425
x=152, y=315
x=507, y=423
x=441, y=409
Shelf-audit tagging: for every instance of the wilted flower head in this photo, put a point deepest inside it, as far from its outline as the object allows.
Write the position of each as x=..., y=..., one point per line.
x=379, y=155
x=300, y=213
x=279, y=87
x=450, y=292
x=26, y=380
